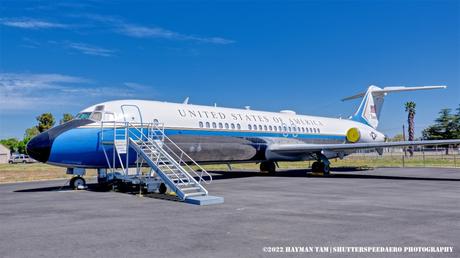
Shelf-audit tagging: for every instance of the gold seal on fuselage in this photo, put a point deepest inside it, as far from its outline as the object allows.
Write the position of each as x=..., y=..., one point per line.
x=353, y=135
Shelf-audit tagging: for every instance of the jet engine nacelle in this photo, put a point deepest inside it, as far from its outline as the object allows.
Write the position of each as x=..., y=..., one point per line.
x=355, y=135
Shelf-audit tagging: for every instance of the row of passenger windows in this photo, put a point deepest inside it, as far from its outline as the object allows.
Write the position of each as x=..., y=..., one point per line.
x=255, y=127
x=220, y=125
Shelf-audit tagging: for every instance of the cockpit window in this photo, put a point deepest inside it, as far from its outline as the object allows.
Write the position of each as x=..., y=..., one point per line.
x=96, y=116
x=83, y=115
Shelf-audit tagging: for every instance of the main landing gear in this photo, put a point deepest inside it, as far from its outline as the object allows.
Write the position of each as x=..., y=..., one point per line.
x=268, y=166
x=322, y=165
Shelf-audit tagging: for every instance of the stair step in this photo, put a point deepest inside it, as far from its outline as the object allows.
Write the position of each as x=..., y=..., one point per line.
x=190, y=188
x=185, y=184
x=177, y=180
x=166, y=165
x=194, y=194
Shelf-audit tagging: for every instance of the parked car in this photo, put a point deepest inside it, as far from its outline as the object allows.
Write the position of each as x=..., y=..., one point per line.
x=20, y=158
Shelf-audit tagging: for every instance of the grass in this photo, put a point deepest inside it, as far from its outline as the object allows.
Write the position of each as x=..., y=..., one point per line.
x=33, y=172
x=39, y=171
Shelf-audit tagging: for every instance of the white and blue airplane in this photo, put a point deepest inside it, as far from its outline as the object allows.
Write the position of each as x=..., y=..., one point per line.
x=210, y=134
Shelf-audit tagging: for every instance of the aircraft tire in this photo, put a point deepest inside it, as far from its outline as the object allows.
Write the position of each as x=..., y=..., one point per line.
x=268, y=166
x=77, y=181
x=162, y=189
x=315, y=167
x=326, y=169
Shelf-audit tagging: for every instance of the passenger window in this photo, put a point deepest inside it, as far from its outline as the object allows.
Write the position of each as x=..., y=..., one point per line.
x=265, y=128
x=207, y=125
x=249, y=127
x=289, y=128
x=221, y=126
x=233, y=126
x=285, y=129
x=260, y=128
x=214, y=125
x=276, y=128
x=200, y=124
x=270, y=128
x=226, y=125
x=155, y=121
x=293, y=129
x=318, y=130
x=238, y=126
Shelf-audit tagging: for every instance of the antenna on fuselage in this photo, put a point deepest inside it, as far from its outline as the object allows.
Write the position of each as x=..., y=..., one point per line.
x=186, y=101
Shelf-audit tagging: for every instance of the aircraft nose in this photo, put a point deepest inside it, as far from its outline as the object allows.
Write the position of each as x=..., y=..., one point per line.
x=39, y=147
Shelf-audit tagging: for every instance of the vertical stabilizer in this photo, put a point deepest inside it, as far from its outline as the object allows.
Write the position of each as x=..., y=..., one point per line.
x=372, y=103
x=369, y=109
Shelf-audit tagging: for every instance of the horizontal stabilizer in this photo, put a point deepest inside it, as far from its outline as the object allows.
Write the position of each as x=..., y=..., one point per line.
x=395, y=89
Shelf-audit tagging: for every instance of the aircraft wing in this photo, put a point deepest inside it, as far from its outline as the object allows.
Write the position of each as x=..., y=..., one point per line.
x=310, y=148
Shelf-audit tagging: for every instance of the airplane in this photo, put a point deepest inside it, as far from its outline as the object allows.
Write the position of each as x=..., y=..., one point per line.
x=211, y=134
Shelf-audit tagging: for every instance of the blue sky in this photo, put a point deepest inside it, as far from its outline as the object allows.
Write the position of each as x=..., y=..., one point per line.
x=271, y=55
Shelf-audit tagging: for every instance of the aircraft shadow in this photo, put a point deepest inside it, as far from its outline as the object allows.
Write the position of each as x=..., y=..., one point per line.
x=226, y=175
x=222, y=175
x=91, y=187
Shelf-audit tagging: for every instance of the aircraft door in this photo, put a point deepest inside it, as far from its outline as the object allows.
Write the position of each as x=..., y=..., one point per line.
x=132, y=114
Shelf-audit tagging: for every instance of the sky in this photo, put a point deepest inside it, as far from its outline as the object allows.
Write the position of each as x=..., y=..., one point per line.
x=62, y=56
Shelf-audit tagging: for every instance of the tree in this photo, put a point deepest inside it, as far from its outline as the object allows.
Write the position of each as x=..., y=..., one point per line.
x=457, y=124
x=410, y=109
x=21, y=146
x=10, y=143
x=447, y=126
x=45, y=122
x=66, y=117
x=31, y=132
x=396, y=138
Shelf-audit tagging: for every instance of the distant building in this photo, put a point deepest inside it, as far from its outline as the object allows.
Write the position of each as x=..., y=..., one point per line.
x=4, y=154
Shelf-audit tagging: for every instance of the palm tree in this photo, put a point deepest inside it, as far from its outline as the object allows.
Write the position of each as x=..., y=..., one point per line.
x=410, y=109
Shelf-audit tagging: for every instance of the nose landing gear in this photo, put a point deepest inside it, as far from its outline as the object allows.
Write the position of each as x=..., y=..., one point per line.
x=77, y=182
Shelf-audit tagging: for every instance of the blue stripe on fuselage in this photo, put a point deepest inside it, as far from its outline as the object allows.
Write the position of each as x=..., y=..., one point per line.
x=201, y=132
x=81, y=147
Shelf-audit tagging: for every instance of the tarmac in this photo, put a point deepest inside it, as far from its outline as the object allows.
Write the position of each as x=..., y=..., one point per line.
x=262, y=216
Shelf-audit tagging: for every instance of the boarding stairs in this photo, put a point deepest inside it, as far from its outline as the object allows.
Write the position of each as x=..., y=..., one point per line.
x=177, y=170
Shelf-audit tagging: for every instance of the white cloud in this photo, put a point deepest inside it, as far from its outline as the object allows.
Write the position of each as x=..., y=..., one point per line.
x=90, y=50
x=28, y=23
x=140, y=31
x=27, y=91
x=20, y=91
x=158, y=32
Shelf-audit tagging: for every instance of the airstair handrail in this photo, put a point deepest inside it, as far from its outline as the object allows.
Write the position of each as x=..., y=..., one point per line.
x=188, y=180
x=181, y=160
x=183, y=153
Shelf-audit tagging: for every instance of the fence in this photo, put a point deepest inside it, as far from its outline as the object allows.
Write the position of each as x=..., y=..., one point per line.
x=398, y=157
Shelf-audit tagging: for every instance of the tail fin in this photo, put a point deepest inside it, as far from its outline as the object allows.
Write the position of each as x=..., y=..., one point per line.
x=372, y=103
